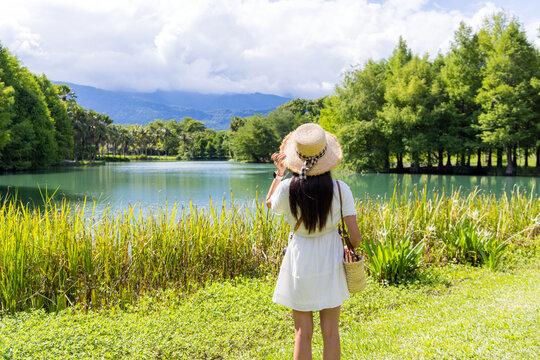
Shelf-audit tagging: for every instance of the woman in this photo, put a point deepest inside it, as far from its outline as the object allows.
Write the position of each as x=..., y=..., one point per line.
x=312, y=276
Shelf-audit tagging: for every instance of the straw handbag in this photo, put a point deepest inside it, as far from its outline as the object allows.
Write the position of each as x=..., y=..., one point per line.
x=354, y=271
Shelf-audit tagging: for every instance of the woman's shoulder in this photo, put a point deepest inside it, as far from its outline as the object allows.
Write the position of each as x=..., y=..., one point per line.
x=343, y=188
x=285, y=182
x=341, y=183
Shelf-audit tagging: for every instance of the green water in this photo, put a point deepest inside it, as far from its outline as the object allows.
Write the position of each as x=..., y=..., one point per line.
x=155, y=184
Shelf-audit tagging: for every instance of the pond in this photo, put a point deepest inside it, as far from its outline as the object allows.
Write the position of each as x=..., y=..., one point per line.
x=158, y=184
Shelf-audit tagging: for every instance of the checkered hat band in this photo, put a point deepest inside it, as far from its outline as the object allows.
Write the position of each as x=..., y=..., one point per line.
x=309, y=162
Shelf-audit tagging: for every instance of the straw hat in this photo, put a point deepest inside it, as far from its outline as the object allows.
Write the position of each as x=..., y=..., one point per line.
x=309, y=145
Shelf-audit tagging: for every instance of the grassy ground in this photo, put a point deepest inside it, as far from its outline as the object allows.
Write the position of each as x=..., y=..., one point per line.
x=451, y=312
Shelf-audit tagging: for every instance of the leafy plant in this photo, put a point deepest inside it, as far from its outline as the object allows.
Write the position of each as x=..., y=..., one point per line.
x=393, y=259
x=468, y=244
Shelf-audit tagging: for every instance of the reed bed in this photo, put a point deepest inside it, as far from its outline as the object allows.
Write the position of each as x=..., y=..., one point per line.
x=55, y=257
x=432, y=219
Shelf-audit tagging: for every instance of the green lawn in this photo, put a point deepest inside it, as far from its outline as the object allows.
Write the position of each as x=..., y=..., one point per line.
x=452, y=312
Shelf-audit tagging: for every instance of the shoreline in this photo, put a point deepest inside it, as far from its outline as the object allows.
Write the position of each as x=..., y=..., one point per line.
x=521, y=171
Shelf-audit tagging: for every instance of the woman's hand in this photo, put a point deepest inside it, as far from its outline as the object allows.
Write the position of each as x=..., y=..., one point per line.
x=278, y=161
x=349, y=257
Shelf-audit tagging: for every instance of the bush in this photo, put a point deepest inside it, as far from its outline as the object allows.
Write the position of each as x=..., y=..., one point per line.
x=468, y=244
x=393, y=259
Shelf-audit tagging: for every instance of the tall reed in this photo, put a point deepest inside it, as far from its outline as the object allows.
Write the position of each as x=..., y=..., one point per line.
x=55, y=256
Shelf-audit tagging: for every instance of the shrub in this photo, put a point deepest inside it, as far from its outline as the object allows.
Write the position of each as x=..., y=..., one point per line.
x=468, y=244
x=393, y=259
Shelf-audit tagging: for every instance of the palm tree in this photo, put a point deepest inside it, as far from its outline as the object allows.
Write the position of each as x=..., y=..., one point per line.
x=80, y=125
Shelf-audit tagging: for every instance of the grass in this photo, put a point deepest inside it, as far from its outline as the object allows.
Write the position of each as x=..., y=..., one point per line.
x=450, y=312
x=55, y=258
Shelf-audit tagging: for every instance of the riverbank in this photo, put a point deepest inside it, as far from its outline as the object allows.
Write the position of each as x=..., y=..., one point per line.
x=530, y=171
x=450, y=312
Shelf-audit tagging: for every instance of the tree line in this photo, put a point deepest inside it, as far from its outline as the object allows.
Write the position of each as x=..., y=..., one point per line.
x=481, y=97
x=41, y=124
x=188, y=139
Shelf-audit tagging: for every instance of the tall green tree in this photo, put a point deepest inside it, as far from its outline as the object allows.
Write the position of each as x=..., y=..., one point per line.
x=391, y=115
x=352, y=115
x=461, y=76
x=507, y=95
x=255, y=141
x=407, y=113
x=63, y=129
x=6, y=112
x=32, y=142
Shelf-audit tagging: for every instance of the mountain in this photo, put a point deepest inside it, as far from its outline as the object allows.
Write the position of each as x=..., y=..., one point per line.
x=214, y=110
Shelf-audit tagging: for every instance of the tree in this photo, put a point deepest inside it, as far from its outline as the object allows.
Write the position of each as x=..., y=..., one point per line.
x=311, y=109
x=31, y=131
x=507, y=95
x=354, y=111
x=81, y=130
x=407, y=114
x=190, y=133
x=255, y=141
x=63, y=129
x=461, y=77
x=6, y=112
x=236, y=123
x=359, y=98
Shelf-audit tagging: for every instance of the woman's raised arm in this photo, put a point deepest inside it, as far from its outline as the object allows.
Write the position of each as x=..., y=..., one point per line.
x=280, y=166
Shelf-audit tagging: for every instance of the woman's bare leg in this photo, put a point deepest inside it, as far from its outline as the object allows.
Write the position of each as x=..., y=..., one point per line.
x=330, y=333
x=303, y=332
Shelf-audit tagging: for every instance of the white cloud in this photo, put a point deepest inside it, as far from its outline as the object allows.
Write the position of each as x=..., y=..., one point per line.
x=298, y=47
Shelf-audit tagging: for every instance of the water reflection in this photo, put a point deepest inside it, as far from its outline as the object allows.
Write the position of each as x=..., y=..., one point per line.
x=155, y=184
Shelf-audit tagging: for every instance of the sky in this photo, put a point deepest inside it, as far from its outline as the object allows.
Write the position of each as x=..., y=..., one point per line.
x=297, y=48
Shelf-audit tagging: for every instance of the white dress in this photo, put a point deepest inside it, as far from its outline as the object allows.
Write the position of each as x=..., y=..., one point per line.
x=312, y=277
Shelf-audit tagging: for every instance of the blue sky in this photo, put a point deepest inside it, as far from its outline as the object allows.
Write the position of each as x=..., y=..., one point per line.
x=284, y=47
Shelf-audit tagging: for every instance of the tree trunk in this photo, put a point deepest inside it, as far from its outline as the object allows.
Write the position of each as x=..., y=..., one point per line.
x=429, y=159
x=469, y=160
x=399, y=165
x=75, y=150
x=510, y=166
x=479, y=155
x=440, y=164
x=526, y=157
x=416, y=162
x=489, y=158
x=538, y=156
x=499, y=157
x=462, y=159
x=514, y=155
x=449, y=160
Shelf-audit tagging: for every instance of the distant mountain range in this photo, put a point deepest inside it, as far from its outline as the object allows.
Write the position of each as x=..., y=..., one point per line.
x=214, y=110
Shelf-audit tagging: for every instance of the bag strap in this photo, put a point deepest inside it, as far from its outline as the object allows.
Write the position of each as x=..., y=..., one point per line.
x=342, y=229
x=297, y=226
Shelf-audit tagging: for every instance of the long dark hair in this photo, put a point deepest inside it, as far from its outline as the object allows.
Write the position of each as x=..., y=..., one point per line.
x=311, y=198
